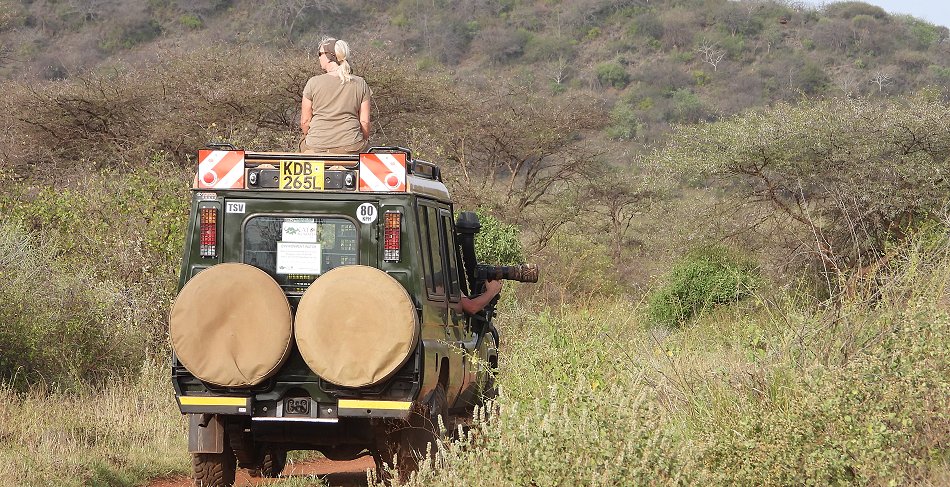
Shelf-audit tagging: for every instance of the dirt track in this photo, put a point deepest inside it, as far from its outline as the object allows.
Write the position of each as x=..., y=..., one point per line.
x=335, y=474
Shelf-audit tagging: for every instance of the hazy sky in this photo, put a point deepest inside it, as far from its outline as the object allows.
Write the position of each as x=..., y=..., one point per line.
x=933, y=11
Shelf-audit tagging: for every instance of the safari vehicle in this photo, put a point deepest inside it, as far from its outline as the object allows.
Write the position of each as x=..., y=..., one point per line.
x=318, y=309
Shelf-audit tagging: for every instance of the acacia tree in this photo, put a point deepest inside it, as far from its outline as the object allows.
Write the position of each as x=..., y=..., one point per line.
x=845, y=175
x=287, y=13
x=510, y=145
x=619, y=197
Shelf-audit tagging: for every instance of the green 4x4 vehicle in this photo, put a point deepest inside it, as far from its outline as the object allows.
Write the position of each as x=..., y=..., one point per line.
x=319, y=308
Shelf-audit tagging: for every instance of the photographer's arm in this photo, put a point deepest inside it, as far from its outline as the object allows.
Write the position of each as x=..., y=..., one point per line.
x=474, y=305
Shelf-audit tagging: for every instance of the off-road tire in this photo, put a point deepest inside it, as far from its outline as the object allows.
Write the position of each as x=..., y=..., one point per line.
x=272, y=463
x=214, y=469
x=437, y=406
x=489, y=389
x=423, y=429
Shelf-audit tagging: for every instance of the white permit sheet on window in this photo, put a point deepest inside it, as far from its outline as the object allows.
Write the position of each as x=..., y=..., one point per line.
x=298, y=258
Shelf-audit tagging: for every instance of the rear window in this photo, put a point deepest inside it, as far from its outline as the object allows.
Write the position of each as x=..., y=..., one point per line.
x=296, y=250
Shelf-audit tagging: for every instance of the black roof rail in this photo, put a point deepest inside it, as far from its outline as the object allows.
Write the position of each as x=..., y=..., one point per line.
x=282, y=156
x=220, y=146
x=425, y=169
x=391, y=149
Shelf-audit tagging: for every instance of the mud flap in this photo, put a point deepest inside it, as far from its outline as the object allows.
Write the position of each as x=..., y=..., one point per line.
x=205, y=433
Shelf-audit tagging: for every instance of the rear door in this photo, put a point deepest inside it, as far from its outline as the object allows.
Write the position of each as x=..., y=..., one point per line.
x=294, y=241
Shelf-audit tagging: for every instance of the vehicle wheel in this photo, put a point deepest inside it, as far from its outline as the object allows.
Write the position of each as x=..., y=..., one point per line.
x=214, y=469
x=489, y=388
x=423, y=429
x=272, y=463
x=438, y=406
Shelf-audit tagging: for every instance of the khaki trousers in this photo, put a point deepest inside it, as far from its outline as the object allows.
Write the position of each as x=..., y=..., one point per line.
x=346, y=149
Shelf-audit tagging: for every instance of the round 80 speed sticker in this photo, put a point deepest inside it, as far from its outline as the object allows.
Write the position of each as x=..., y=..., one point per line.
x=367, y=213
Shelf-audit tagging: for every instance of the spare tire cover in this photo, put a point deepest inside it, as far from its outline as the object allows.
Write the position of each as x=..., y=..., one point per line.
x=355, y=326
x=231, y=325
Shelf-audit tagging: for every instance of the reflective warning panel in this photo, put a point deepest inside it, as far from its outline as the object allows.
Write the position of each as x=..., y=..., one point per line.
x=383, y=172
x=220, y=169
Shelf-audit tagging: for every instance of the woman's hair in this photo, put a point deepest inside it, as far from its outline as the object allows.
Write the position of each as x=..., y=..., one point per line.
x=338, y=51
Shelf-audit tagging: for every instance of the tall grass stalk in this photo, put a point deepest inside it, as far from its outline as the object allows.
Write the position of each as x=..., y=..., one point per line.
x=121, y=434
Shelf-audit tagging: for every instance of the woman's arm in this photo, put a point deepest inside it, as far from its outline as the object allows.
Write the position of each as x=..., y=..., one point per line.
x=364, y=118
x=306, y=113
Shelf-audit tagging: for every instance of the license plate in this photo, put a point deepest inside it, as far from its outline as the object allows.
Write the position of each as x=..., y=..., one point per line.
x=297, y=406
x=301, y=175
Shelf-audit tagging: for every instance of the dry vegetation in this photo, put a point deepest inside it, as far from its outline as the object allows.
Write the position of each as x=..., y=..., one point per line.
x=800, y=337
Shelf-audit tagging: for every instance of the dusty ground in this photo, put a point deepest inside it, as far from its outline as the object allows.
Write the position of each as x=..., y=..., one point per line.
x=335, y=474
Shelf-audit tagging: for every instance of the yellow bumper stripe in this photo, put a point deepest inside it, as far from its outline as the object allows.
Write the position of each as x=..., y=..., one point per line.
x=358, y=404
x=212, y=401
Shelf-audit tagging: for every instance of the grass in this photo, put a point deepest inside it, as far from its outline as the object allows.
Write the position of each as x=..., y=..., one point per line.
x=786, y=392
x=777, y=389
x=122, y=434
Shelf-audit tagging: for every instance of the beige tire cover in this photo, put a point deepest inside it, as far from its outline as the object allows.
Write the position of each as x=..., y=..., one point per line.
x=355, y=326
x=231, y=325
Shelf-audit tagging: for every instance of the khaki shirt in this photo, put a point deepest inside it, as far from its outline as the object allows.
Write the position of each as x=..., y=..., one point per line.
x=335, y=121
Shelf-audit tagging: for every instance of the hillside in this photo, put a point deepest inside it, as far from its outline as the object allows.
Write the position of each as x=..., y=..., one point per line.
x=653, y=63
x=739, y=209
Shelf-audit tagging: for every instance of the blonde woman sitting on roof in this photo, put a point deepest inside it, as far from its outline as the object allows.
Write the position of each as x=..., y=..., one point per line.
x=334, y=111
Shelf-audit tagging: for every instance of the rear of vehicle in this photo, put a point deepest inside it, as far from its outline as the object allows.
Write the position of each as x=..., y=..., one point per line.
x=304, y=320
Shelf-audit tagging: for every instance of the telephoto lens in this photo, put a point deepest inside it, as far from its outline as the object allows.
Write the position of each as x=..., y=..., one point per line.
x=520, y=273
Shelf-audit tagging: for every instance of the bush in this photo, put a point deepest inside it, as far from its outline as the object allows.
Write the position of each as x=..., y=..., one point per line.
x=190, y=21
x=129, y=36
x=625, y=124
x=925, y=34
x=703, y=278
x=647, y=24
x=119, y=235
x=498, y=243
x=571, y=410
x=687, y=107
x=940, y=73
x=612, y=74
x=847, y=10
x=839, y=156
x=59, y=325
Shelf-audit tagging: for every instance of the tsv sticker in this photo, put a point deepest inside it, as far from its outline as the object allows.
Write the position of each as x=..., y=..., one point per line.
x=367, y=213
x=235, y=207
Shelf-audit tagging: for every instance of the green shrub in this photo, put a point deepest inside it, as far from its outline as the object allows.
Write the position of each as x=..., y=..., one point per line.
x=925, y=34
x=129, y=36
x=498, y=243
x=700, y=77
x=849, y=10
x=59, y=325
x=701, y=279
x=647, y=24
x=939, y=72
x=118, y=232
x=625, y=124
x=572, y=410
x=612, y=74
x=190, y=21
x=687, y=107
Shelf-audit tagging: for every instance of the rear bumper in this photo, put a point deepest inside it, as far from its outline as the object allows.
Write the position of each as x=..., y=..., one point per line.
x=215, y=405
x=273, y=411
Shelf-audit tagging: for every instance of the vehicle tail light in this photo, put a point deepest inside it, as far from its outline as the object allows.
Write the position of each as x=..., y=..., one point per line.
x=209, y=232
x=392, y=230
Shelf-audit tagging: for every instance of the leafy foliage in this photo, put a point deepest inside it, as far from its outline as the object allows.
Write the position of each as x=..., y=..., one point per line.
x=702, y=279
x=850, y=175
x=612, y=74
x=59, y=326
x=498, y=243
